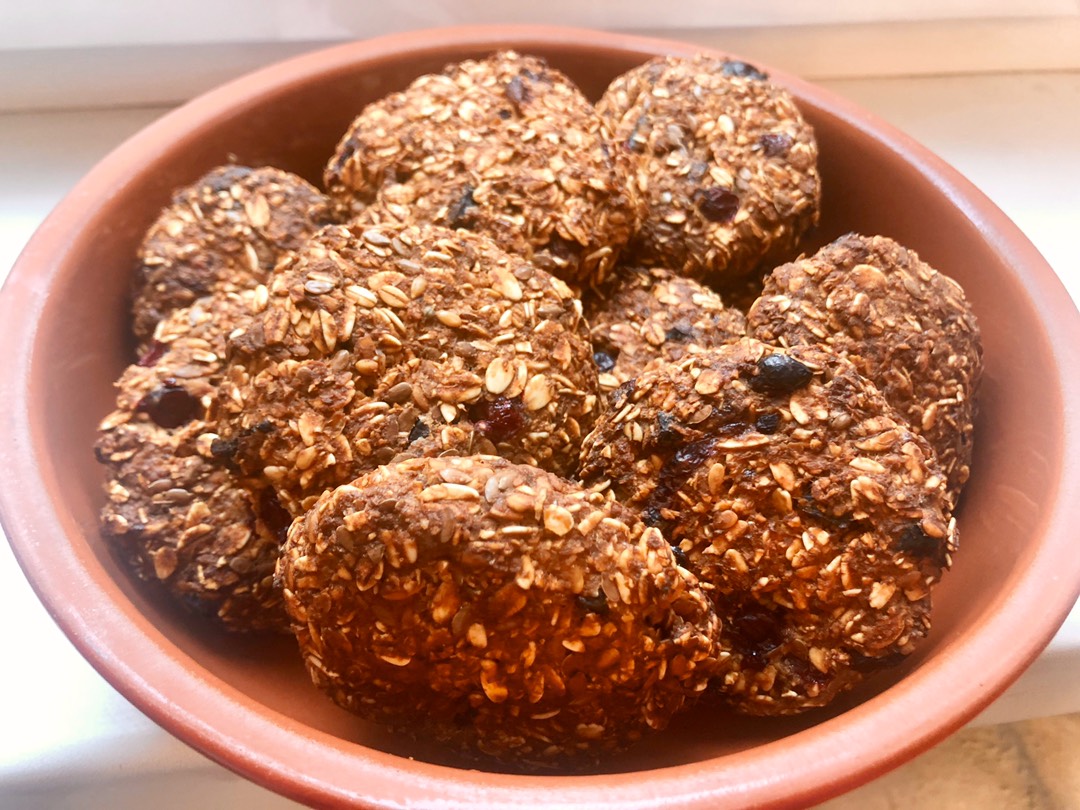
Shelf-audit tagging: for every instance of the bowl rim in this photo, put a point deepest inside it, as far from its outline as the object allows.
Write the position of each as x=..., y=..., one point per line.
x=317, y=767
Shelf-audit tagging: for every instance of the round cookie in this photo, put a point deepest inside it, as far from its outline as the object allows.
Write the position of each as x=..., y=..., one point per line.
x=495, y=607
x=724, y=159
x=226, y=232
x=654, y=314
x=175, y=513
x=408, y=339
x=905, y=326
x=504, y=146
x=813, y=517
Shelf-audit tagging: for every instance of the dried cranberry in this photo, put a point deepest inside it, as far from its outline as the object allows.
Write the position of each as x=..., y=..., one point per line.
x=767, y=423
x=498, y=419
x=742, y=70
x=780, y=374
x=594, y=604
x=717, y=204
x=459, y=212
x=775, y=143
x=273, y=514
x=153, y=354
x=169, y=405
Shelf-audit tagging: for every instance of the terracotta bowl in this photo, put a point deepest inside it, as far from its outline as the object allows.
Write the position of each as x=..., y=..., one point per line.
x=247, y=703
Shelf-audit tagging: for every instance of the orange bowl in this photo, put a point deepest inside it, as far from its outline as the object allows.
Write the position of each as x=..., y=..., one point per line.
x=247, y=703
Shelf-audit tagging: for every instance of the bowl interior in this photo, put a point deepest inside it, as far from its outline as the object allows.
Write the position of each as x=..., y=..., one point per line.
x=82, y=345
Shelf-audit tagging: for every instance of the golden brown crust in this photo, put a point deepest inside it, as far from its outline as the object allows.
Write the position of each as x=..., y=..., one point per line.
x=905, y=326
x=175, y=513
x=504, y=146
x=415, y=340
x=814, y=519
x=495, y=607
x=725, y=161
x=655, y=315
x=224, y=232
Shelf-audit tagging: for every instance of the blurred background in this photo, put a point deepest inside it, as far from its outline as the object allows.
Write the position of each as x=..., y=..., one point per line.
x=993, y=86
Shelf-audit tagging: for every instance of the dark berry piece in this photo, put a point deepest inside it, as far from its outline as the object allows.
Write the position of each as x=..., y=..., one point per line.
x=604, y=360
x=169, y=405
x=767, y=423
x=667, y=428
x=224, y=449
x=780, y=374
x=914, y=541
x=680, y=557
x=742, y=70
x=754, y=633
x=717, y=204
x=679, y=333
x=420, y=430
x=459, y=212
x=499, y=419
x=153, y=354
x=594, y=604
x=775, y=143
x=518, y=92
x=273, y=514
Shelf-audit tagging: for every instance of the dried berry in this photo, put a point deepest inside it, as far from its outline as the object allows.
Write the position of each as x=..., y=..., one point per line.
x=604, y=360
x=153, y=354
x=767, y=423
x=499, y=419
x=742, y=70
x=780, y=374
x=518, y=92
x=754, y=633
x=680, y=557
x=420, y=430
x=274, y=515
x=679, y=333
x=458, y=215
x=597, y=604
x=169, y=405
x=775, y=143
x=913, y=540
x=717, y=204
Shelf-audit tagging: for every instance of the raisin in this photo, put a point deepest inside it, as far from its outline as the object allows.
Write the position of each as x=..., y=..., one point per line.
x=605, y=360
x=742, y=70
x=504, y=114
x=274, y=515
x=716, y=204
x=459, y=212
x=775, y=143
x=597, y=604
x=498, y=419
x=780, y=374
x=767, y=423
x=667, y=428
x=867, y=664
x=518, y=92
x=420, y=430
x=914, y=541
x=673, y=475
x=224, y=449
x=169, y=405
x=754, y=633
x=680, y=557
x=153, y=354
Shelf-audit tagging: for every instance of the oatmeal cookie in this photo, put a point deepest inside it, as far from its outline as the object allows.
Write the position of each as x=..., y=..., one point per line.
x=726, y=163
x=905, y=326
x=495, y=607
x=811, y=514
x=175, y=513
x=226, y=231
x=407, y=339
x=505, y=146
x=654, y=314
